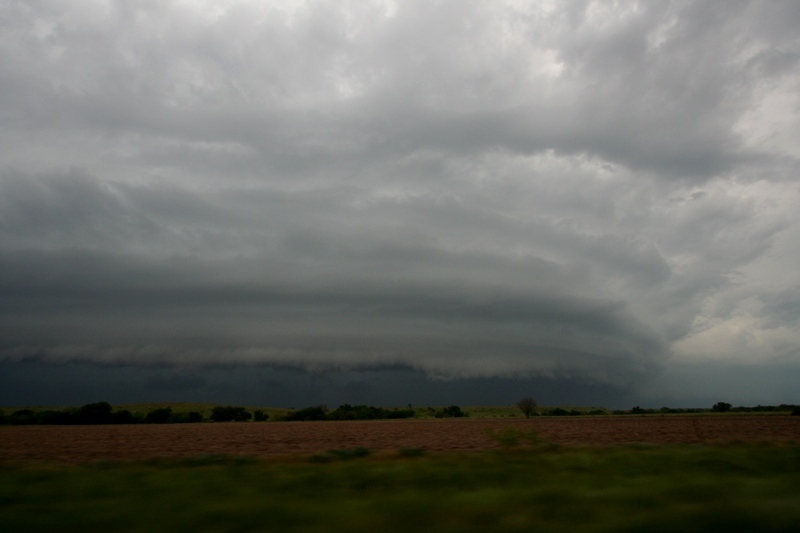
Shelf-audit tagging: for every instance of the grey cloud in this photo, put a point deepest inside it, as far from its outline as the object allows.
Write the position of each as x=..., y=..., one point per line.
x=175, y=382
x=470, y=190
x=662, y=107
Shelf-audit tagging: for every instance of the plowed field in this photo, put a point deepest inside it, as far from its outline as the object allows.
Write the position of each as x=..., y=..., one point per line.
x=77, y=444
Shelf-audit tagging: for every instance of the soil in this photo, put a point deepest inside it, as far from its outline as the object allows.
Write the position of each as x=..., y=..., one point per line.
x=77, y=444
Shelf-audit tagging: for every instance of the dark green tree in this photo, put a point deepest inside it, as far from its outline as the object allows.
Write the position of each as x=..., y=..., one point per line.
x=721, y=407
x=318, y=412
x=161, y=415
x=229, y=413
x=94, y=413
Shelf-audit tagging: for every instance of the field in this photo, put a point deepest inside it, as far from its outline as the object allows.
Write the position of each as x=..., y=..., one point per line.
x=609, y=473
x=142, y=441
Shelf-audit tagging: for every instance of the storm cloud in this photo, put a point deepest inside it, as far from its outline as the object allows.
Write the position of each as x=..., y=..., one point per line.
x=580, y=192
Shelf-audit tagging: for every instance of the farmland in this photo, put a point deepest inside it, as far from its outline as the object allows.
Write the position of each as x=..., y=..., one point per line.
x=143, y=441
x=607, y=473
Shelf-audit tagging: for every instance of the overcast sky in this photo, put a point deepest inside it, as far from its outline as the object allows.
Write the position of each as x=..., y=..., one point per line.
x=400, y=202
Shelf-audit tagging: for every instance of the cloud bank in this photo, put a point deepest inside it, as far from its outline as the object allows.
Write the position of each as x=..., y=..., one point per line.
x=473, y=190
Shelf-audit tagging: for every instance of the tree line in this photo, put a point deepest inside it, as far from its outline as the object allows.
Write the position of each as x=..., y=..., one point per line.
x=104, y=413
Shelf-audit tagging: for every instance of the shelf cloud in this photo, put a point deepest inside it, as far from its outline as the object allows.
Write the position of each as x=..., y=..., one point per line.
x=582, y=193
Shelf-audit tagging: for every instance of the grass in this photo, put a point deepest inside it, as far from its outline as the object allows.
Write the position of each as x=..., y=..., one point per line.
x=625, y=488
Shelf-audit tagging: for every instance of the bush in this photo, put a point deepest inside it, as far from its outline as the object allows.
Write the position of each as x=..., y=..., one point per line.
x=162, y=415
x=721, y=407
x=94, y=413
x=453, y=411
x=400, y=413
x=178, y=418
x=59, y=418
x=230, y=413
x=23, y=417
x=123, y=417
x=319, y=412
x=260, y=416
x=367, y=412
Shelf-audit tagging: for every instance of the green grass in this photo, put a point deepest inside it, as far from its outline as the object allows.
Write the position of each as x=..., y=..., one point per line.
x=627, y=488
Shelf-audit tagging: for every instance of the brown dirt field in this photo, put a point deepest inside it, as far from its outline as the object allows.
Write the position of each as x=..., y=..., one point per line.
x=76, y=444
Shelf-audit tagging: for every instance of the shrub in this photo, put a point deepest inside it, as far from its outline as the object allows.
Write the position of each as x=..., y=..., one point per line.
x=721, y=407
x=178, y=418
x=319, y=412
x=161, y=415
x=23, y=417
x=400, y=413
x=56, y=417
x=94, y=413
x=367, y=412
x=230, y=413
x=453, y=411
x=122, y=417
x=260, y=416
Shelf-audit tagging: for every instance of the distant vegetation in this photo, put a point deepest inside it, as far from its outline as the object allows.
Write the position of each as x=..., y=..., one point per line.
x=719, y=407
x=453, y=411
x=99, y=413
x=104, y=413
x=527, y=405
x=347, y=412
x=229, y=413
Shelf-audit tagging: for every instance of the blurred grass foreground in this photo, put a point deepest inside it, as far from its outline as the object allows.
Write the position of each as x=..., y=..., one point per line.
x=735, y=487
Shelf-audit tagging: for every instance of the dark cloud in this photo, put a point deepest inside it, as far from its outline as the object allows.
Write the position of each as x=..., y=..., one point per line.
x=476, y=191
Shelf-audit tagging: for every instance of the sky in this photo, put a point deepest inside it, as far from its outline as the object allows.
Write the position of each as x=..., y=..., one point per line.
x=412, y=202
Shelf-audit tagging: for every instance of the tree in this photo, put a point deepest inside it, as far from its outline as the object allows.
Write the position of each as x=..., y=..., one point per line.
x=452, y=411
x=721, y=407
x=527, y=405
x=161, y=415
x=95, y=413
x=318, y=412
x=229, y=413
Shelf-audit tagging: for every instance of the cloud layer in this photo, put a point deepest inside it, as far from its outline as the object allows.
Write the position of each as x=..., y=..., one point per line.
x=469, y=189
